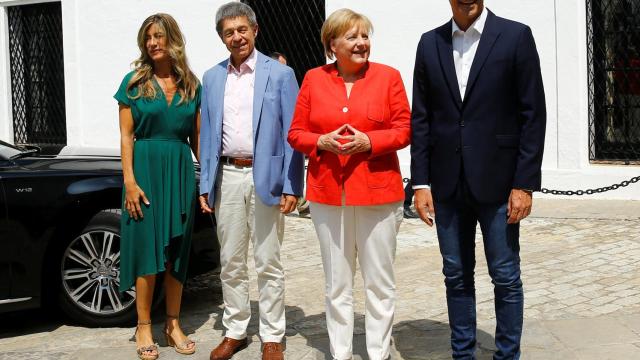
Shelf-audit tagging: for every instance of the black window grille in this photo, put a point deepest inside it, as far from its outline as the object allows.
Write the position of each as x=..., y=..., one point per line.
x=291, y=27
x=37, y=74
x=613, y=44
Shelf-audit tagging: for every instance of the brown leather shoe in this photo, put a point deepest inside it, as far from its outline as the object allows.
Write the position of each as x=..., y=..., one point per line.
x=272, y=351
x=227, y=348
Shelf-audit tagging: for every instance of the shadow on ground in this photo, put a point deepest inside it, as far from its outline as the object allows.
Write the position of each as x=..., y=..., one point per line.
x=416, y=339
x=30, y=322
x=428, y=339
x=202, y=297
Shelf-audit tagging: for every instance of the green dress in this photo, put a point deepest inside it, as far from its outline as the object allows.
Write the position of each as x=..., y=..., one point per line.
x=163, y=169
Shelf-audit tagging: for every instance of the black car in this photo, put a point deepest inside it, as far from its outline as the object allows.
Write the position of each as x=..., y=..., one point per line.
x=59, y=234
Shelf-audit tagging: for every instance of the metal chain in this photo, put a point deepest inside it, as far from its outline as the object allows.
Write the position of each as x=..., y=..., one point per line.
x=591, y=191
x=633, y=180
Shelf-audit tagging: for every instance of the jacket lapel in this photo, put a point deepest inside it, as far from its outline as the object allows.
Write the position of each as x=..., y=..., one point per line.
x=260, y=84
x=220, y=82
x=488, y=38
x=445, y=52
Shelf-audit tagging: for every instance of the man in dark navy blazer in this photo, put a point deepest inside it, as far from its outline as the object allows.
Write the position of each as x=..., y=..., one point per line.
x=478, y=126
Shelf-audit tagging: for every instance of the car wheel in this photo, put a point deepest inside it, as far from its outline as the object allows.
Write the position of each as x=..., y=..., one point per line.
x=90, y=275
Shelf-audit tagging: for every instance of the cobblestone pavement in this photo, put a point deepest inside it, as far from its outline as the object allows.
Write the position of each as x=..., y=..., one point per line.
x=580, y=272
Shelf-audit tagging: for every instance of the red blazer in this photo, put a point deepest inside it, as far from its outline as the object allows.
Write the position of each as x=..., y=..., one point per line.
x=377, y=106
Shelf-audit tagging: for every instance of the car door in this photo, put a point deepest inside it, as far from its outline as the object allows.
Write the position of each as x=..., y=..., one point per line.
x=32, y=201
x=6, y=248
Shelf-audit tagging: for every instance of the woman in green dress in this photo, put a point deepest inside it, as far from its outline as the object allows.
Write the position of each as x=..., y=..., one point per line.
x=159, y=105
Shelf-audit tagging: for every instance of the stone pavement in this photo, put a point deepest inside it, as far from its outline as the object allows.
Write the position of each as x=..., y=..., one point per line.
x=581, y=273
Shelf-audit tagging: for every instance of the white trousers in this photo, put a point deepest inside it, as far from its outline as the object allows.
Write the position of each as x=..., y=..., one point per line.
x=368, y=233
x=241, y=216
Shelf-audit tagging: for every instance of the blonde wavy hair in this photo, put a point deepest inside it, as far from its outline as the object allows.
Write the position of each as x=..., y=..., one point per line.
x=186, y=82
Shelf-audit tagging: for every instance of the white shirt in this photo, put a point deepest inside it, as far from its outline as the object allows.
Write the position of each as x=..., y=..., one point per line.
x=465, y=45
x=237, y=117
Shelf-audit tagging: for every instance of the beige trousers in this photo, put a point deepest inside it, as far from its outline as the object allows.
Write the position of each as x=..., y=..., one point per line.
x=367, y=233
x=241, y=216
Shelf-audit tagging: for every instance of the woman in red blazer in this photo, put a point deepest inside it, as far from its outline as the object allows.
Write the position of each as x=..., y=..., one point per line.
x=350, y=119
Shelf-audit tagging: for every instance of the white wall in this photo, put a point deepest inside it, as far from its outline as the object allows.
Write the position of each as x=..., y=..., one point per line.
x=99, y=45
x=6, y=118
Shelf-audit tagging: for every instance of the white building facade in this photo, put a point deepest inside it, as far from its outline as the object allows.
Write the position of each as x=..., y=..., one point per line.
x=99, y=45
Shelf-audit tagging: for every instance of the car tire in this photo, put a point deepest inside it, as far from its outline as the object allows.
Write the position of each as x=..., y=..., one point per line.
x=89, y=274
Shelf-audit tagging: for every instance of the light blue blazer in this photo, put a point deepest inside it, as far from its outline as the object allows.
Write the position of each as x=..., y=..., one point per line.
x=277, y=168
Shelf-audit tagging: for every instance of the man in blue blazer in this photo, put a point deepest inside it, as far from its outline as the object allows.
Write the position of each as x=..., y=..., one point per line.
x=249, y=176
x=478, y=127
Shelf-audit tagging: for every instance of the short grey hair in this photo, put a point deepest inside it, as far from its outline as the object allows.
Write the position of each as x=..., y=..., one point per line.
x=232, y=10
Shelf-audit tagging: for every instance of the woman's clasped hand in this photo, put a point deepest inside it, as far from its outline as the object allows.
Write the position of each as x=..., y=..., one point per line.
x=345, y=140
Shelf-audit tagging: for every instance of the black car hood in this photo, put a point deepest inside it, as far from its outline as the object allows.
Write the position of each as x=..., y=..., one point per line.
x=80, y=160
x=108, y=165
x=75, y=159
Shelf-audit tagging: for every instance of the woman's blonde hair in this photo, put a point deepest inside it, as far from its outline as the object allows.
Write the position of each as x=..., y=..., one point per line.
x=338, y=23
x=186, y=82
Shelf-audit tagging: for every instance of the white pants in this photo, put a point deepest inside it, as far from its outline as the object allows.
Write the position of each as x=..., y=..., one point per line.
x=241, y=216
x=368, y=233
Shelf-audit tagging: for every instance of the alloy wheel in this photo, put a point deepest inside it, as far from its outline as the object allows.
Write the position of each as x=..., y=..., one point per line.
x=91, y=274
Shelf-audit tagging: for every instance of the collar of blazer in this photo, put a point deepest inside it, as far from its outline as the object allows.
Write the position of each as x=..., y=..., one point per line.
x=445, y=52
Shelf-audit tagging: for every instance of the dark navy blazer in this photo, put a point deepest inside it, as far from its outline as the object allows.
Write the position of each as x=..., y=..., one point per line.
x=496, y=135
